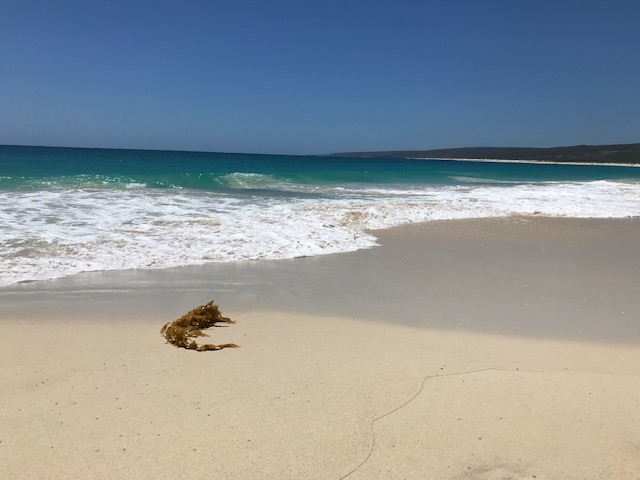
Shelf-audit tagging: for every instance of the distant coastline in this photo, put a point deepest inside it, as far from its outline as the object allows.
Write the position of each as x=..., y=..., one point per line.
x=543, y=162
x=620, y=154
x=616, y=155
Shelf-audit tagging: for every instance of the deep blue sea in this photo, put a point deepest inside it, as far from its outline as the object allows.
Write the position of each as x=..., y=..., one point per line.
x=67, y=210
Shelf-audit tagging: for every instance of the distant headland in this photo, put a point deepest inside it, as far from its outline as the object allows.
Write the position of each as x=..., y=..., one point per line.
x=622, y=153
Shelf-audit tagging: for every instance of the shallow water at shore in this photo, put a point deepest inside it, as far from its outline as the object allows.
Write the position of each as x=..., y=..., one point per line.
x=565, y=278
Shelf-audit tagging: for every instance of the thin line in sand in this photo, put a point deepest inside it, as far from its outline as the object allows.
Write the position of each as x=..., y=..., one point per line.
x=424, y=380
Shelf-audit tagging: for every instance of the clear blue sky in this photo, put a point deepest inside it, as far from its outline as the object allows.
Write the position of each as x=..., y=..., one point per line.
x=319, y=76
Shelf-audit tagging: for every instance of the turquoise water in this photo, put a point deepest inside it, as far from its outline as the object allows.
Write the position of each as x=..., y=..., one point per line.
x=23, y=168
x=64, y=210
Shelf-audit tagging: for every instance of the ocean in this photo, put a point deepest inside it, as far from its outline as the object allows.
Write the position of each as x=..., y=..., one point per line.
x=67, y=210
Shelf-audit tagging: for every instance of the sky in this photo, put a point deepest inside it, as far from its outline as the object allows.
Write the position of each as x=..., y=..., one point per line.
x=314, y=77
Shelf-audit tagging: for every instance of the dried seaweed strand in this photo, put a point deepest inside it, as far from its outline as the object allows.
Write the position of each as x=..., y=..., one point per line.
x=180, y=332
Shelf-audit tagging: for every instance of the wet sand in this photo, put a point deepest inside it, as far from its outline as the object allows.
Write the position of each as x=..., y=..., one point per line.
x=574, y=279
x=504, y=348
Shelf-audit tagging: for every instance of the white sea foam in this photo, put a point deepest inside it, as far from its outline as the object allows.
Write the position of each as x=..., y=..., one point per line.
x=465, y=179
x=250, y=180
x=49, y=234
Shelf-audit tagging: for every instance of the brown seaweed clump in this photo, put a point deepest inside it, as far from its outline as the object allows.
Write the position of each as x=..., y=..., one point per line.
x=181, y=331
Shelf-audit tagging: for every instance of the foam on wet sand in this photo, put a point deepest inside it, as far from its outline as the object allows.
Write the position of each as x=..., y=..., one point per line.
x=318, y=391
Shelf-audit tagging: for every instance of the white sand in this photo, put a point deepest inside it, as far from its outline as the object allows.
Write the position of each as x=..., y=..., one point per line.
x=313, y=397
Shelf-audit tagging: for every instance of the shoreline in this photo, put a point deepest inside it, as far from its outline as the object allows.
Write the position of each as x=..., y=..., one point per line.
x=511, y=275
x=535, y=162
x=458, y=349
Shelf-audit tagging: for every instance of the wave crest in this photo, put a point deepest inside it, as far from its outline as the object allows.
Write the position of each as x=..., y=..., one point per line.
x=241, y=180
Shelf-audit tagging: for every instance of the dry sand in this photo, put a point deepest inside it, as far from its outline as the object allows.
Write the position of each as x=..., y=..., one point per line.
x=371, y=376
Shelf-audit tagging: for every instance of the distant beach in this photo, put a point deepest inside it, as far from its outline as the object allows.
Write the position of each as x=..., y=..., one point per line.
x=616, y=154
x=534, y=162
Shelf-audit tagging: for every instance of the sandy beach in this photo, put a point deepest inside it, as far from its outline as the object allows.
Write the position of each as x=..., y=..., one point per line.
x=489, y=349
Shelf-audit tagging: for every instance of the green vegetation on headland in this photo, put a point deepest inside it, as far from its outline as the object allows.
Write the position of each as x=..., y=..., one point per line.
x=624, y=153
